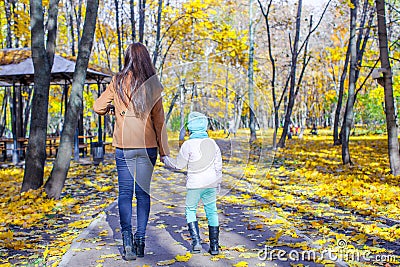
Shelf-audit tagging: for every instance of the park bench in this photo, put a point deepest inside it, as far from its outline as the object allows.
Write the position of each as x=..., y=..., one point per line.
x=5, y=149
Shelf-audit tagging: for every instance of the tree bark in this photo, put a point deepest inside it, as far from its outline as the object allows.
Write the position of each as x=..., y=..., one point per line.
x=250, y=73
x=3, y=121
x=391, y=125
x=157, y=47
x=273, y=67
x=292, y=77
x=362, y=40
x=78, y=17
x=118, y=34
x=132, y=19
x=61, y=165
x=15, y=25
x=27, y=111
x=336, y=138
x=71, y=25
x=42, y=63
x=238, y=109
x=142, y=7
x=171, y=106
x=8, y=18
x=349, y=114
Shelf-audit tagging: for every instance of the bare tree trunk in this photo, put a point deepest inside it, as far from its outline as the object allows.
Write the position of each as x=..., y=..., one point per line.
x=303, y=120
x=250, y=73
x=336, y=138
x=3, y=120
x=239, y=110
x=78, y=17
x=107, y=50
x=61, y=165
x=361, y=43
x=71, y=25
x=42, y=63
x=273, y=66
x=118, y=34
x=8, y=18
x=171, y=106
x=142, y=7
x=226, y=115
x=292, y=77
x=348, y=119
x=132, y=19
x=182, y=91
x=391, y=125
x=15, y=25
x=295, y=52
x=27, y=111
x=157, y=48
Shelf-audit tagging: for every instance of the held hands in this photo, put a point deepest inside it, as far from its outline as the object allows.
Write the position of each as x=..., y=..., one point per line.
x=168, y=162
x=110, y=109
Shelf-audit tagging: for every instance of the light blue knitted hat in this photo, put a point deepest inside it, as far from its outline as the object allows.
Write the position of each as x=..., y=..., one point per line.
x=197, y=125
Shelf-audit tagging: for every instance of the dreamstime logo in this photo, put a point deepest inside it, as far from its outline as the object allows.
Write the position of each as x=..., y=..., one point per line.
x=342, y=252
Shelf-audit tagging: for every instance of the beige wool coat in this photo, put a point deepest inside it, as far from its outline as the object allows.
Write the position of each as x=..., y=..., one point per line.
x=131, y=131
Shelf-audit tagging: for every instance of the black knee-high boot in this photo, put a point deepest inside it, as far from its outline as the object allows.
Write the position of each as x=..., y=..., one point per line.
x=214, y=238
x=139, y=246
x=127, y=240
x=195, y=235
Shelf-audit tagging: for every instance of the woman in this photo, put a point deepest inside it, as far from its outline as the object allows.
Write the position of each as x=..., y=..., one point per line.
x=139, y=130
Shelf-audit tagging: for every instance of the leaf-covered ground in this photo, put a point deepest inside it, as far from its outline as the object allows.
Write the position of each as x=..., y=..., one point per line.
x=315, y=195
x=34, y=229
x=309, y=193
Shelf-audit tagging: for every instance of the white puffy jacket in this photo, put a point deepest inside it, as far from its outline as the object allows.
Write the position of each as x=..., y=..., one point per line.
x=203, y=160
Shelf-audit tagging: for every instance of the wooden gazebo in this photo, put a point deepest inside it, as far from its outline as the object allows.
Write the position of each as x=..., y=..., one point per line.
x=17, y=77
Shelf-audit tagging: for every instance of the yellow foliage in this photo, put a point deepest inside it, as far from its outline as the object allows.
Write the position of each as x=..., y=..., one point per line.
x=32, y=210
x=107, y=256
x=241, y=264
x=183, y=258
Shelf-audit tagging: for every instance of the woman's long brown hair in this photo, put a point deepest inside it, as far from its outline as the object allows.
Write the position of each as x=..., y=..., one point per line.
x=138, y=66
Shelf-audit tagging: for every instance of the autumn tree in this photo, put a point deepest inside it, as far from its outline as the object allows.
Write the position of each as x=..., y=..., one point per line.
x=386, y=81
x=7, y=8
x=58, y=175
x=132, y=20
x=357, y=46
x=250, y=73
x=142, y=19
x=43, y=57
x=295, y=82
x=117, y=21
x=158, y=32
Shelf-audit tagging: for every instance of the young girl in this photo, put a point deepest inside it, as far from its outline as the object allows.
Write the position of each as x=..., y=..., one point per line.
x=202, y=157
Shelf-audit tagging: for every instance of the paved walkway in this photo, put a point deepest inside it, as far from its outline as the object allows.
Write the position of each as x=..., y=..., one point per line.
x=242, y=226
x=167, y=236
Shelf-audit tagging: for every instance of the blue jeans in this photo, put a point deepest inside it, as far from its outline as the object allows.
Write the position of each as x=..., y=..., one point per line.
x=209, y=199
x=135, y=168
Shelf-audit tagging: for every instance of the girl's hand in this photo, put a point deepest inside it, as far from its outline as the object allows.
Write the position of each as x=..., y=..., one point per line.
x=168, y=162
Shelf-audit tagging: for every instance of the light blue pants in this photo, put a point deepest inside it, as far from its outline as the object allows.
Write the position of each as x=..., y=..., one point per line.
x=209, y=199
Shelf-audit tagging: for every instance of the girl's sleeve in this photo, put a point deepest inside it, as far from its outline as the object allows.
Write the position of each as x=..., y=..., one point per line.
x=106, y=98
x=183, y=157
x=218, y=163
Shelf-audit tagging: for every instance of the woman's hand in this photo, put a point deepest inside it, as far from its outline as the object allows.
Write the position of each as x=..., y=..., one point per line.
x=110, y=109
